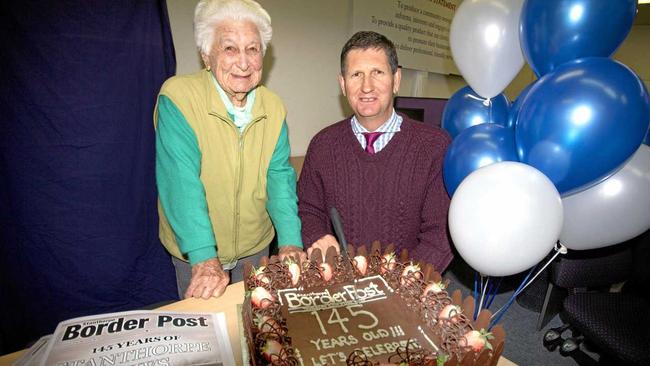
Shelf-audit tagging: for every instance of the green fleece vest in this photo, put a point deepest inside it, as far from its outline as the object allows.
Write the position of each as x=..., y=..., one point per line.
x=233, y=165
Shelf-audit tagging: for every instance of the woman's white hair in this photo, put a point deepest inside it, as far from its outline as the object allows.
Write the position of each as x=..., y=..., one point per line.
x=209, y=13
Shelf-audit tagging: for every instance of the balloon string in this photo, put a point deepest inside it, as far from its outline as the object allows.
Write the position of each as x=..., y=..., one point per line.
x=490, y=110
x=559, y=249
x=493, y=293
x=480, y=289
x=480, y=304
x=475, y=293
x=503, y=309
x=487, y=295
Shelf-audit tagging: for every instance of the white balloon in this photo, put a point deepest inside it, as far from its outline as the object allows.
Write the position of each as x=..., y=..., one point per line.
x=504, y=218
x=613, y=211
x=484, y=41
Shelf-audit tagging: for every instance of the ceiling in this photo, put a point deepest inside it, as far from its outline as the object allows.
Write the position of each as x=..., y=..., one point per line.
x=643, y=16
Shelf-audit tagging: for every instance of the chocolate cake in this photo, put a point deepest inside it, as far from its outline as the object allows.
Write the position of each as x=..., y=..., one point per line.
x=372, y=308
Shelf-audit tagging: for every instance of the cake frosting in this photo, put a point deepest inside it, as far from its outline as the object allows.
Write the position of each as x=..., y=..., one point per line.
x=368, y=309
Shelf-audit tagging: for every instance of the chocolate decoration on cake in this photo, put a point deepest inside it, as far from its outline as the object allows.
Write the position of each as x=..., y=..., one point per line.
x=370, y=308
x=358, y=358
x=410, y=355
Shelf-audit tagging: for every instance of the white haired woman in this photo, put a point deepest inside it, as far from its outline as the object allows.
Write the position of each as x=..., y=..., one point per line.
x=222, y=155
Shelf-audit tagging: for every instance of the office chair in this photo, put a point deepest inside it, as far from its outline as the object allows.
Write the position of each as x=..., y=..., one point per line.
x=616, y=324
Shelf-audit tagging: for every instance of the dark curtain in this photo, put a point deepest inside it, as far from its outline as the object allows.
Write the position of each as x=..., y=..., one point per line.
x=78, y=217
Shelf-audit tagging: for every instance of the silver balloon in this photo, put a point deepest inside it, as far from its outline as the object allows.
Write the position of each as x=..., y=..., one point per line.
x=504, y=218
x=484, y=41
x=613, y=211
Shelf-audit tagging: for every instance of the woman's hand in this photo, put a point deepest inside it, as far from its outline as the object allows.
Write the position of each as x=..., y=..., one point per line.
x=323, y=244
x=208, y=279
x=293, y=252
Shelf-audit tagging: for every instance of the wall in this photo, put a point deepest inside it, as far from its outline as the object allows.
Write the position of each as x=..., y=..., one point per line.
x=635, y=52
x=307, y=42
x=302, y=61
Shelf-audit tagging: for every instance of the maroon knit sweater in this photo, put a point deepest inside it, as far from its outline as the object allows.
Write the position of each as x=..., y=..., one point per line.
x=395, y=196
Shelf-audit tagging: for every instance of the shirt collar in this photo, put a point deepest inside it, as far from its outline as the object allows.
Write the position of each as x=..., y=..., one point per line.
x=241, y=116
x=391, y=125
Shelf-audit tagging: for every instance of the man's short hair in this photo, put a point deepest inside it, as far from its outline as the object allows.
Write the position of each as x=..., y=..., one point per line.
x=364, y=40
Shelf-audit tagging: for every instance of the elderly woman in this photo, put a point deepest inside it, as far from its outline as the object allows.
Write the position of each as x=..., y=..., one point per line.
x=222, y=155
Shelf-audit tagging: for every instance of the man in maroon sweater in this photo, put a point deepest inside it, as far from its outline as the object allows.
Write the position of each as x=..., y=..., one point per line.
x=382, y=171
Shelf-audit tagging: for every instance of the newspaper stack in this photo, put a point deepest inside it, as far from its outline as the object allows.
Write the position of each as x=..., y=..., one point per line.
x=152, y=338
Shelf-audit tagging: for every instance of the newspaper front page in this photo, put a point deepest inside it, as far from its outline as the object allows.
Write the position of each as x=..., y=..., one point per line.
x=142, y=338
x=35, y=355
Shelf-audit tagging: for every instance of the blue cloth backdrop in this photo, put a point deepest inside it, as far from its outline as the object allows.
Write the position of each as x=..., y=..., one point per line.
x=78, y=217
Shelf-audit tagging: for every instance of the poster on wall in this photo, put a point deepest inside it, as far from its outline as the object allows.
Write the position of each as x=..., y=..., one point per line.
x=419, y=29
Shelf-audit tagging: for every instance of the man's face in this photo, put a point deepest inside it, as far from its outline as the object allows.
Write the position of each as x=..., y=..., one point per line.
x=369, y=85
x=236, y=58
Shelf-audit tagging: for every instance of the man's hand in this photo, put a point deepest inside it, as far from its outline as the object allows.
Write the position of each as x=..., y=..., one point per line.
x=293, y=252
x=324, y=243
x=208, y=279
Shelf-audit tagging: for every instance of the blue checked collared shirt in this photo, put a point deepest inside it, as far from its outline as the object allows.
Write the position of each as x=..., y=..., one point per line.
x=389, y=129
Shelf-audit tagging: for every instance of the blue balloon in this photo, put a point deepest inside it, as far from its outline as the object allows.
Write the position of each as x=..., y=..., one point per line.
x=582, y=121
x=556, y=31
x=474, y=148
x=466, y=108
x=516, y=106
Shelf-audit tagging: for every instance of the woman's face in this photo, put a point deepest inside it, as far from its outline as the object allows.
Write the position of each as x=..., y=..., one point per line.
x=236, y=58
